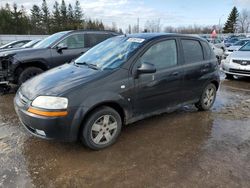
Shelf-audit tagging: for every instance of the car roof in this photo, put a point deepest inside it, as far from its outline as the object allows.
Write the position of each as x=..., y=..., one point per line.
x=92, y=31
x=151, y=36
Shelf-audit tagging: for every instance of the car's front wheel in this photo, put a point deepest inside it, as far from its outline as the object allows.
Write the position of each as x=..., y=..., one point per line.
x=28, y=73
x=207, y=98
x=101, y=129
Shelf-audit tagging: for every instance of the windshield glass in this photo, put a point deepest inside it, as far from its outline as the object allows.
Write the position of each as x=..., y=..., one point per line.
x=111, y=53
x=49, y=40
x=30, y=44
x=246, y=47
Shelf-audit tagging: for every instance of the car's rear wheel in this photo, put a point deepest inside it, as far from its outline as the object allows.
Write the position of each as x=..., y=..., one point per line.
x=101, y=129
x=207, y=98
x=28, y=73
x=229, y=76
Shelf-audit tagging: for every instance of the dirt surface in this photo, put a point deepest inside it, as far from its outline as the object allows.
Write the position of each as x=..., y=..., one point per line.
x=186, y=148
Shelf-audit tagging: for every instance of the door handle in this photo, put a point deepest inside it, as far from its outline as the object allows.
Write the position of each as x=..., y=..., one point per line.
x=175, y=73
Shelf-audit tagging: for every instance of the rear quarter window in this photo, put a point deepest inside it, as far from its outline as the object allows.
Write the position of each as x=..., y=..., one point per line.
x=192, y=51
x=94, y=39
x=207, y=50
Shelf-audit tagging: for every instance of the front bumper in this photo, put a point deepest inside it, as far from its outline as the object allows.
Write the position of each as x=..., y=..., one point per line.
x=60, y=128
x=235, y=69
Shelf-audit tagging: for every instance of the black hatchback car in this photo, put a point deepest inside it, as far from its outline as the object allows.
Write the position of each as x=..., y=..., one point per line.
x=119, y=81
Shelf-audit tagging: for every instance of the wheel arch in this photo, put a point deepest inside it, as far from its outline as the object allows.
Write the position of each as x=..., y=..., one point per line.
x=22, y=66
x=112, y=104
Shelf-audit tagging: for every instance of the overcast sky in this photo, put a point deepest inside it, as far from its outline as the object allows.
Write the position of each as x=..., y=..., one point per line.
x=170, y=12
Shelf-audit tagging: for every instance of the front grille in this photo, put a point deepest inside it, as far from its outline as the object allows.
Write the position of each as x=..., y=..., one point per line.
x=239, y=71
x=241, y=62
x=230, y=50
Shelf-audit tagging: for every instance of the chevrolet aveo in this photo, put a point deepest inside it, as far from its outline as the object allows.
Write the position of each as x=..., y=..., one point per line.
x=121, y=80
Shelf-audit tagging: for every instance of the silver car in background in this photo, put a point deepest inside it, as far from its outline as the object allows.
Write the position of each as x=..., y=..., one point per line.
x=237, y=63
x=236, y=46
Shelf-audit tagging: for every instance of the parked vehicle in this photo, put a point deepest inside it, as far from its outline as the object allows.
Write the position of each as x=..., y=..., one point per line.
x=119, y=81
x=14, y=44
x=237, y=63
x=229, y=42
x=236, y=46
x=17, y=66
x=219, y=53
x=27, y=45
x=217, y=42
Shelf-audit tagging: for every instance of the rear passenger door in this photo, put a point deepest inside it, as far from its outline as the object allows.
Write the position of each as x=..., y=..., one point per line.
x=196, y=68
x=161, y=89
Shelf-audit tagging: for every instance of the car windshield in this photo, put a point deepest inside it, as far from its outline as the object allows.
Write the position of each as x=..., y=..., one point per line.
x=111, y=53
x=246, y=47
x=45, y=43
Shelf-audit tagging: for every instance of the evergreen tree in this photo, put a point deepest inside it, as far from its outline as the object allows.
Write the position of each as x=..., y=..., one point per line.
x=78, y=15
x=230, y=26
x=45, y=17
x=6, y=21
x=56, y=18
x=63, y=12
x=35, y=20
x=70, y=15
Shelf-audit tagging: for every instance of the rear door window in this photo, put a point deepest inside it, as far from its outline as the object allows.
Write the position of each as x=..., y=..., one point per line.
x=192, y=51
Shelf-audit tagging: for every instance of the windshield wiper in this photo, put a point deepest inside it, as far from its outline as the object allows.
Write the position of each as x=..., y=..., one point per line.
x=93, y=66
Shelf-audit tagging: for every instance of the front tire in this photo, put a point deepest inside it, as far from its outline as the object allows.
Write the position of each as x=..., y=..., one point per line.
x=207, y=98
x=28, y=73
x=102, y=128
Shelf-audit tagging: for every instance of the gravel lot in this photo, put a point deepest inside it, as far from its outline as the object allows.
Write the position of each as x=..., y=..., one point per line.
x=186, y=148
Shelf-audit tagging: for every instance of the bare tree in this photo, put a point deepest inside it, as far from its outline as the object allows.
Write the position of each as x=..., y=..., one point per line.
x=153, y=26
x=244, y=21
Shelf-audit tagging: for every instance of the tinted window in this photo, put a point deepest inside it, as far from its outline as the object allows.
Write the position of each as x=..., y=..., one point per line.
x=94, y=39
x=73, y=41
x=207, y=50
x=162, y=54
x=192, y=51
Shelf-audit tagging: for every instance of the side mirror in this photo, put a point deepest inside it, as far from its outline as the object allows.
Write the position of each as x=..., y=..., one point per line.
x=61, y=47
x=145, y=68
x=10, y=47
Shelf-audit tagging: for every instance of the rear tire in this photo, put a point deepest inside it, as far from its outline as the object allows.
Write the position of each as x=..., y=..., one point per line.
x=229, y=77
x=207, y=98
x=101, y=129
x=28, y=73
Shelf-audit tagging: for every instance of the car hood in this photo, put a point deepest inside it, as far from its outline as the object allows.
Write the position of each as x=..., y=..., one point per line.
x=241, y=55
x=58, y=80
x=10, y=49
x=22, y=53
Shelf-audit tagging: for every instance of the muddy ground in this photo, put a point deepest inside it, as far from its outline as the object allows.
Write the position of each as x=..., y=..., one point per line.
x=186, y=148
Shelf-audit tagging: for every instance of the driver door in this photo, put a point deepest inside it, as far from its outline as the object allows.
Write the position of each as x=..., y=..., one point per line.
x=69, y=48
x=161, y=89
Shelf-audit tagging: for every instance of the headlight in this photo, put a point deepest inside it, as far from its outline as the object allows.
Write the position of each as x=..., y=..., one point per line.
x=228, y=59
x=50, y=102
